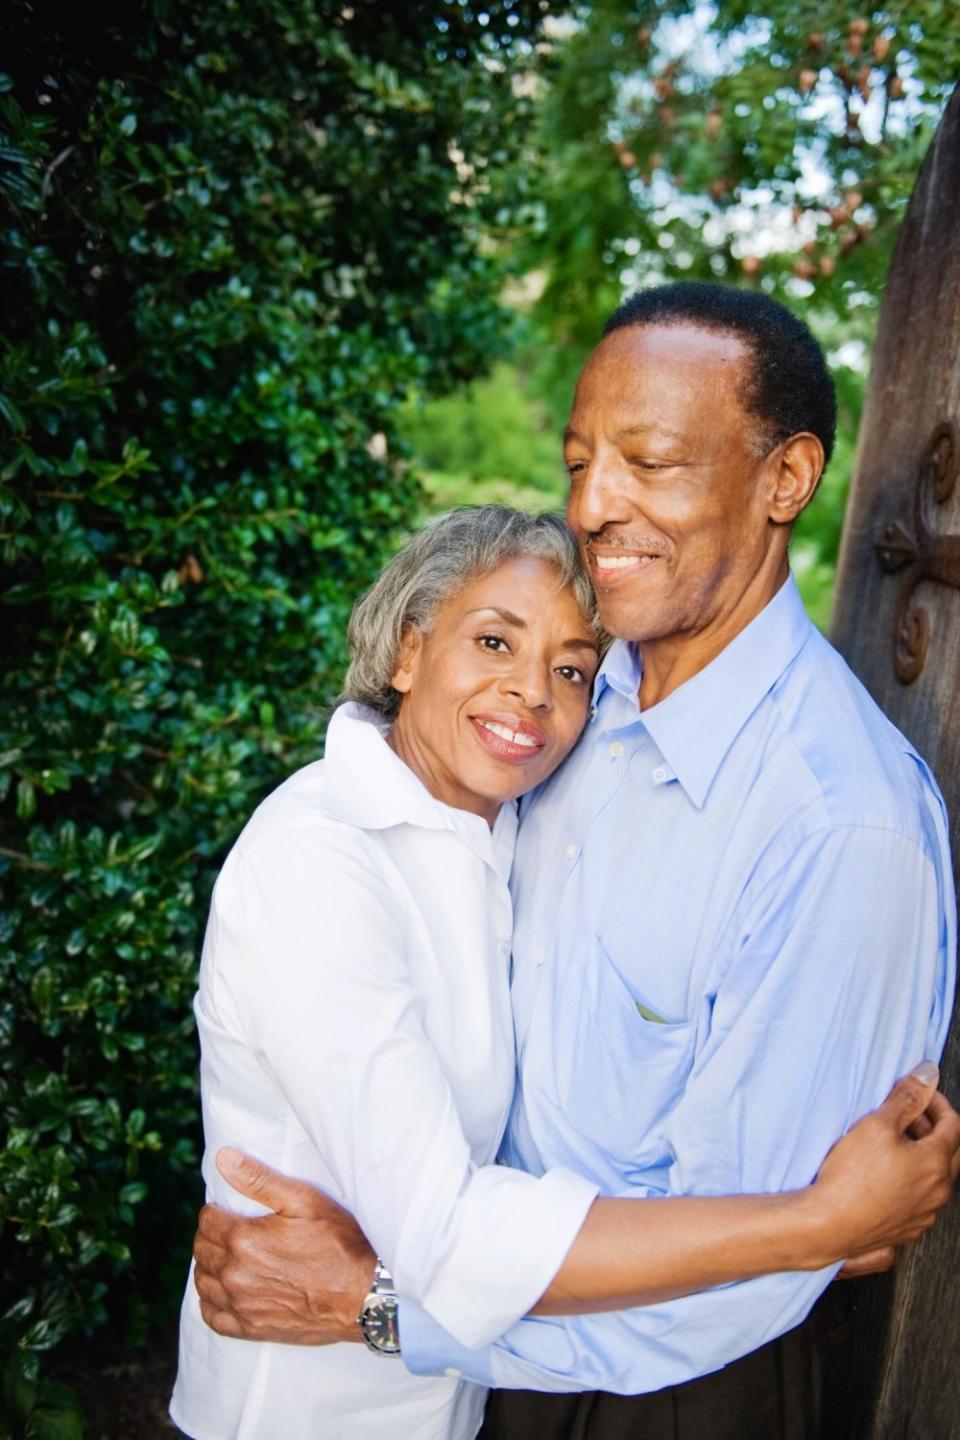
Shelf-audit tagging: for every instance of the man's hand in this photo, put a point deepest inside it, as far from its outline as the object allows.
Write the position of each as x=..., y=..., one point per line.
x=298, y=1276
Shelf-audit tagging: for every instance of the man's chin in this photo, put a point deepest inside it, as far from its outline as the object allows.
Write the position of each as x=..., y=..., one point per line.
x=626, y=620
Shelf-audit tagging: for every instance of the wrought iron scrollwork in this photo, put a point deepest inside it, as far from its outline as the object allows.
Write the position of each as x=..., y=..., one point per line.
x=921, y=551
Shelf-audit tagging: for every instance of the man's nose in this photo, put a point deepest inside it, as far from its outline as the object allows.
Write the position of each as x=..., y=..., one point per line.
x=598, y=497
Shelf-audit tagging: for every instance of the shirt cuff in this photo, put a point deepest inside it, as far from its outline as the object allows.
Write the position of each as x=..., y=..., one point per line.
x=428, y=1349
x=480, y=1291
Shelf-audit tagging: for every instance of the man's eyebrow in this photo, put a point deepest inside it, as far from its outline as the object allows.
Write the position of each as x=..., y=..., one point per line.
x=626, y=432
x=654, y=429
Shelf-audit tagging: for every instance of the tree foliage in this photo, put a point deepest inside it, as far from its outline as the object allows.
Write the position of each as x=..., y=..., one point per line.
x=233, y=238
x=772, y=147
x=776, y=147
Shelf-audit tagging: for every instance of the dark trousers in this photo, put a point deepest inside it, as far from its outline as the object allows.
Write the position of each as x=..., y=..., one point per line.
x=795, y=1388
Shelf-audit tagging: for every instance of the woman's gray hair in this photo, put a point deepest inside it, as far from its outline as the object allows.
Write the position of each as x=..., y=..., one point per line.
x=439, y=561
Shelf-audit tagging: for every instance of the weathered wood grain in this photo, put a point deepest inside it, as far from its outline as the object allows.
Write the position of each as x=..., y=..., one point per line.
x=908, y=1376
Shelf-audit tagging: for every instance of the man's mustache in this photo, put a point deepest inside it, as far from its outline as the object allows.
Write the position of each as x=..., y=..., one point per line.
x=620, y=541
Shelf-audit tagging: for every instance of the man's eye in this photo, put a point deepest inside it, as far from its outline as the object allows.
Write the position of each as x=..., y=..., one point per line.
x=574, y=467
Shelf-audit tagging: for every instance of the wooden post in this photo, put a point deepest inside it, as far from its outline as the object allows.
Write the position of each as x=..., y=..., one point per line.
x=897, y=621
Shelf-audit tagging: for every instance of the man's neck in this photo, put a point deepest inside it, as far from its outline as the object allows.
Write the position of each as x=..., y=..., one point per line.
x=671, y=661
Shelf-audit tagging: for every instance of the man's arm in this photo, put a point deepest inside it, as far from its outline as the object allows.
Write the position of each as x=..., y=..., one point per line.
x=298, y=1276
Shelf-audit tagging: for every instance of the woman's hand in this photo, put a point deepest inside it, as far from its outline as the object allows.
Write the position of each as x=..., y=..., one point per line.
x=884, y=1183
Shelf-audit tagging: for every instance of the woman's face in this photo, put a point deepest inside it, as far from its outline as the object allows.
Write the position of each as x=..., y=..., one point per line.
x=497, y=693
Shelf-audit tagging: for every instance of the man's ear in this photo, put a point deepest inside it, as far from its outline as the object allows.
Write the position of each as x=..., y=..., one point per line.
x=797, y=474
x=411, y=643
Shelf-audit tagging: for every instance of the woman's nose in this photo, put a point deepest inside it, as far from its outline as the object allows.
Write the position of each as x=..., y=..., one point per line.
x=529, y=681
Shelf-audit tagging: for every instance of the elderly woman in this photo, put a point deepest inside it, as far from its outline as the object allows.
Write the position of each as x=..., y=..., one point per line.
x=354, y=1010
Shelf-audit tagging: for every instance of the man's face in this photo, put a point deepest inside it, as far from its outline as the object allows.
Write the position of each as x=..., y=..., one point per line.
x=667, y=494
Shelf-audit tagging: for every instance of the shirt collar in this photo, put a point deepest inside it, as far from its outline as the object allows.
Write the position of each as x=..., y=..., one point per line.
x=368, y=785
x=695, y=727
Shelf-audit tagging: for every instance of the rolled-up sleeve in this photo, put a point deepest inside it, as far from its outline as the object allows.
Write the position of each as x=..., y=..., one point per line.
x=839, y=979
x=310, y=965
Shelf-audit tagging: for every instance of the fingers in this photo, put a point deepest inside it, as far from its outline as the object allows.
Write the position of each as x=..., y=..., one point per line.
x=209, y=1255
x=921, y=1127
x=223, y=1321
x=871, y=1262
x=210, y=1290
x=277, y=1192
x=214, y=1225
x=911, y=1096
x=944, y=1132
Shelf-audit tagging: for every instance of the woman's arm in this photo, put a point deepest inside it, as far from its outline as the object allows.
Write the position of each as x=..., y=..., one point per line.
x=879, y=1187
x=299, y=1276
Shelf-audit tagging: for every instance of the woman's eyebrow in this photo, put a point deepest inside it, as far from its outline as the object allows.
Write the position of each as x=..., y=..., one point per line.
x=506, y=615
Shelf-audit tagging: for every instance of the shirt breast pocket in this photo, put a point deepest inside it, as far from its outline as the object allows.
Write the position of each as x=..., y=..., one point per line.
x=628, y=1071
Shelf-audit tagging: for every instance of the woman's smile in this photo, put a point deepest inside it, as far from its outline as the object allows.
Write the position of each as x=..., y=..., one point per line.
x=509, y=738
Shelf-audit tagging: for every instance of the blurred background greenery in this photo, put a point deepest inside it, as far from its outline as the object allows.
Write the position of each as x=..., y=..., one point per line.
x=774, y=148
x=280, y=280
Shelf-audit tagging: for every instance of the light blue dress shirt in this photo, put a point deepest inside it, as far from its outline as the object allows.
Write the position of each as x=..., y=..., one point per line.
x=735, y=927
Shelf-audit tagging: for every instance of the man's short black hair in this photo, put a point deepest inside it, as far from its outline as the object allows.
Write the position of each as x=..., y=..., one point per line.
x=790, y=388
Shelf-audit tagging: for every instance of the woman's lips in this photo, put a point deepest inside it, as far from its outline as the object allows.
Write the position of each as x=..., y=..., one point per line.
x=515, y=741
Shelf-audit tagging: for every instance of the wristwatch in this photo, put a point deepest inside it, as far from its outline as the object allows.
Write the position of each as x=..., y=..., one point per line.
x=378, y=1315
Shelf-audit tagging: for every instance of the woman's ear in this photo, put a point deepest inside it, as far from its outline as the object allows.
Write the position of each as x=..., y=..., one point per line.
x=408, y=658
x=798, y=472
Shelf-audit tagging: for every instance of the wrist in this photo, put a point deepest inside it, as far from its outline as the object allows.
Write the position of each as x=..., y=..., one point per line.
x=365, y=1274
x=819, y=1238
x=377, y=1319
x=335, y=1294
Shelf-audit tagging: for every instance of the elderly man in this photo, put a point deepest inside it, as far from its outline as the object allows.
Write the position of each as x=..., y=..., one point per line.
x=734, y=907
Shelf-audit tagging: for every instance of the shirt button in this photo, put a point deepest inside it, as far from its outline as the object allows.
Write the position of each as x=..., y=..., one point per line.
x=616, y=749
x=453, y=1373
x=539, y=955
x=659, y=775
x=504, y=948
x=570, y=851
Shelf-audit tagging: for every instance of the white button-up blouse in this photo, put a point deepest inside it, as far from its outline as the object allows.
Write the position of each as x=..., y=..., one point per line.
x=355, y=1029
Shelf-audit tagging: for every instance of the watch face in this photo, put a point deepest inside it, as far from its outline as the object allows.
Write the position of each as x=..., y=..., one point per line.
x=380, y=1324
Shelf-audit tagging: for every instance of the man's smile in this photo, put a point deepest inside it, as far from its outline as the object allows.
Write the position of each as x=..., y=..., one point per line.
x=613, y=565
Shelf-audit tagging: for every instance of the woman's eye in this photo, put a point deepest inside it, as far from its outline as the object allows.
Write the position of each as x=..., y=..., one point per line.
x=572, y=672
x=492, y=642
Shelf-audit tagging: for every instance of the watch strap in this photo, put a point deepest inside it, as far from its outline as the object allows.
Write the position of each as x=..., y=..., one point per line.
x=378, y=1318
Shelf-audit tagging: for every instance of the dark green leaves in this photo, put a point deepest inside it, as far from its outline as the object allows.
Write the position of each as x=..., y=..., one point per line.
x=233, y=240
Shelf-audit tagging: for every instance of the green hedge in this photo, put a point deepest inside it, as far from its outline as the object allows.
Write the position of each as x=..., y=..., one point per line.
x=234, y=238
